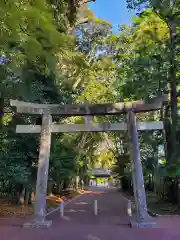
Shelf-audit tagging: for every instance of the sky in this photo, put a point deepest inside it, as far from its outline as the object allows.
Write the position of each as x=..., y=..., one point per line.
x=114, y=11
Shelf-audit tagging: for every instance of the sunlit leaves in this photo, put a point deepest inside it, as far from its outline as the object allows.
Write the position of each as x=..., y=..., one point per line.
x=142, y=57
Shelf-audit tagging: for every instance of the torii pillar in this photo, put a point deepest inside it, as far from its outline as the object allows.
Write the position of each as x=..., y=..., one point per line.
x=143, y=220
x=39, y=220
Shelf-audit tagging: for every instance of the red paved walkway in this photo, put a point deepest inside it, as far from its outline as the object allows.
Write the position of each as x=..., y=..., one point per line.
x=111, y=205
x=80, y=224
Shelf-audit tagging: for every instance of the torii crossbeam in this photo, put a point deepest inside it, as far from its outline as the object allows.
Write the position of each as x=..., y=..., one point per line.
x=89, y=109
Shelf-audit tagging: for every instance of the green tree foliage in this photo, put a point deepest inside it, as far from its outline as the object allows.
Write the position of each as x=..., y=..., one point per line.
x=143, y=49
x=168, y=11
x=31, y=40
x=46, y=64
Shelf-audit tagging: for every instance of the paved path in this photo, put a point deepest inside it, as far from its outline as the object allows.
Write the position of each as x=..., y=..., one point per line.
x=80, y=224
x=111, y=209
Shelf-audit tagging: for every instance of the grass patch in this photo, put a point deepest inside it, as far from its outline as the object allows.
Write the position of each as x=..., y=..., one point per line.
x=161, y=207
x=156, y=207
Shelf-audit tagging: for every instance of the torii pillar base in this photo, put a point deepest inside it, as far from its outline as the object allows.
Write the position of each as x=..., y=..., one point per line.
x=144, y=224
x=38, y=224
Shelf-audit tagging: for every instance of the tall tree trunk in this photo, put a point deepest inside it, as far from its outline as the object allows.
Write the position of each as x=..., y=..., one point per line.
x=20, y=194
x=1, y=109
x=173, y=91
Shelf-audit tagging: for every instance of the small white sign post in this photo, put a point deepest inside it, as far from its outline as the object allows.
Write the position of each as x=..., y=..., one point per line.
x=95, y=208
x=62, y=209
x=129, y=208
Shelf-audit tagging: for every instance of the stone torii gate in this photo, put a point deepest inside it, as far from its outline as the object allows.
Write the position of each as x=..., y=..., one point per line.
x=47, y=110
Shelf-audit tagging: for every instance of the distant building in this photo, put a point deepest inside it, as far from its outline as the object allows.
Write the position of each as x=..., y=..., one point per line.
x=101, y=172
x=82, y=10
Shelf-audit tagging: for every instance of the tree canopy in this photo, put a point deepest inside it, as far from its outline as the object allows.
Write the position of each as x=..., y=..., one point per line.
x=49, y=58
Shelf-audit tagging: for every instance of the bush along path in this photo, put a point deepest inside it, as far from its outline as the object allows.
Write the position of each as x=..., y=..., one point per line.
x=8, y=209
x=155, y=209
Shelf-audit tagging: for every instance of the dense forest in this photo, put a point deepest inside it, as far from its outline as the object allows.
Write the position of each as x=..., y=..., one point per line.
x=46, y=57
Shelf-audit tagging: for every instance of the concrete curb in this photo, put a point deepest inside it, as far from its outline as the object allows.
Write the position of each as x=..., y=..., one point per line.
x=65, y=203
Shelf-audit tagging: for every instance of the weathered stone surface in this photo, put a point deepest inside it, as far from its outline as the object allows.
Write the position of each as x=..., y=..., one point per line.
x=137, y=172
x=37, y=224
x=43, y=167
x=144, y=224
x=89, y=109
x=91, y=127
